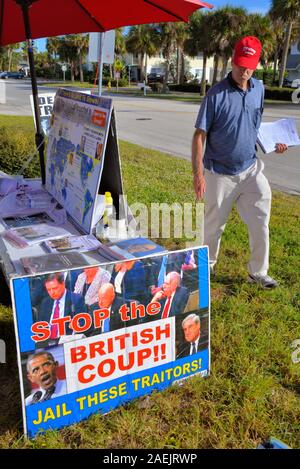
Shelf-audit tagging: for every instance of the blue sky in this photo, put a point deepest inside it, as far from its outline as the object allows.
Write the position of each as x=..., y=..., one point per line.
x=256, y=6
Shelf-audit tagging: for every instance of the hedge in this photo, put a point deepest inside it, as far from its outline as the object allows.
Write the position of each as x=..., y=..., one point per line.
x=113, y=83
x=275, y=93
x=15, y=148
x=279, y=94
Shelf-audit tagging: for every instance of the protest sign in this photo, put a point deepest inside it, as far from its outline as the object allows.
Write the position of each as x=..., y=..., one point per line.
x=45, y=101
x=91, y=339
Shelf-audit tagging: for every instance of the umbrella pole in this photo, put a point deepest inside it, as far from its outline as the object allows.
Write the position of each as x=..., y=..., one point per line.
x=39, y=136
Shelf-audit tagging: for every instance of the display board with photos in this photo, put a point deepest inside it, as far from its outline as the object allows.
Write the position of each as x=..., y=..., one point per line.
x=75, y=152
x=92, y=338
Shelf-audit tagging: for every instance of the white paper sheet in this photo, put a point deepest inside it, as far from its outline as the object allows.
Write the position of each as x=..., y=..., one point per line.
x=281, y=131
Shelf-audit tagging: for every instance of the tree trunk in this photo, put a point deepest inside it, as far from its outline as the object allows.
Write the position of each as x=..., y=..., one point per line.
x=182, y=69
x=9, y=54
x=285, y=52
x=80, y=68
x=54, y=66
x=275, y=67
x=146, y=66
x=203, y=81
x=166, y=78
x=216, y=64
x=142, y=66
x=72, y=71
x=178, y=65
x=224, y=67
x=110, y=71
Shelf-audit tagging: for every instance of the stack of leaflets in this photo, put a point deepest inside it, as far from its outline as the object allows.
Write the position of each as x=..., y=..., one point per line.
x=130, y=249
x=72, y=243
x=26, y=220
x=28, y=235
x=53, y=262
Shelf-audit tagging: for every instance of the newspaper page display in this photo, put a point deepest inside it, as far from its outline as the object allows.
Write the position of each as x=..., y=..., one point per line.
x=75, y=152
x=91, y=339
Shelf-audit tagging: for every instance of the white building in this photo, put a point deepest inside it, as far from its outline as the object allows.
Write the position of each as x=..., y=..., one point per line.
x=157, y=65
x=293, y=63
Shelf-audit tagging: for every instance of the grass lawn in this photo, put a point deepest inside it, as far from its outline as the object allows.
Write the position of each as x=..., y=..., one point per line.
x=254, y=388
x=63, y=84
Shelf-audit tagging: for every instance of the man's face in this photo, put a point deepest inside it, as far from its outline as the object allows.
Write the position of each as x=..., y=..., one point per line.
x=241, y=74
x=55, y=289
x=106, y=296
x=191, y=330
x=170, y=284
x=90, y=273
x=42, y=372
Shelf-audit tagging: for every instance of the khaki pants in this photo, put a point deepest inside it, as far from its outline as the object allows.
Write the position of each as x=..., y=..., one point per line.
x=251, y=192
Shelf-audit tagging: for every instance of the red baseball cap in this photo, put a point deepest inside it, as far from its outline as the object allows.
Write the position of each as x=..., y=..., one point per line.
x=247, y=52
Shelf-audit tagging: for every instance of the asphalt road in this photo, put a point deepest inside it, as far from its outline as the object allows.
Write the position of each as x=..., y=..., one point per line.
x=168, y=126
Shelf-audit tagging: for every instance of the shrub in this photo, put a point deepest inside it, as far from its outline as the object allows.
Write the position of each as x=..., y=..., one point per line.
x=15, y=148
x=122, y=82
x=156, y=87
x=186, y=87
x=279, y=94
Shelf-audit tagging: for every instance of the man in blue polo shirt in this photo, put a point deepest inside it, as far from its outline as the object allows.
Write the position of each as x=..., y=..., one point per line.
x=228, y=121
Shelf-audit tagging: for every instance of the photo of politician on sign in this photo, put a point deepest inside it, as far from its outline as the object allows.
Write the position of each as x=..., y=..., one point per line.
x=45, y=372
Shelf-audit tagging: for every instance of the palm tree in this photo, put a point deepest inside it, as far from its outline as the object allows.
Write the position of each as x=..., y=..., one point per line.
x=52, y=47
x=3, y=58
x=120, y=44
x=81, y=42
x=228, y=25
x=289, y=12
x=120, y=49
x=181, y=34
x=11, y=48
x=68, y=53
x=167, y=34
x=200, y=40
x=143, y=40
x=279, y=34
x=262, y=27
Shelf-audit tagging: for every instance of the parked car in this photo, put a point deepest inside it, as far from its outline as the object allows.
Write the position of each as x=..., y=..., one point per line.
x=16, y=75
x=155, y=78
x=287, y=83
x=296, y=83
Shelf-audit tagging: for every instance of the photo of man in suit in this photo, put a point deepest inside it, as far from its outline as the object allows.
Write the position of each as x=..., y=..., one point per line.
x=107, y=298
x=172, y=297
x=42, y=373
x=129, y=281
x=191, y=327
x=59, y=303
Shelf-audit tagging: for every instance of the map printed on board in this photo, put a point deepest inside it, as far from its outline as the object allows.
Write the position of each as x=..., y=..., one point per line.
x=75, y=152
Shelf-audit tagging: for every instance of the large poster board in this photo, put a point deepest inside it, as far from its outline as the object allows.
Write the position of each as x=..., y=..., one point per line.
x=75, y=152
x=91, y=339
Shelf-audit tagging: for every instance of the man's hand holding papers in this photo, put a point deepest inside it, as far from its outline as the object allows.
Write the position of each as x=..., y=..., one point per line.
x=283, y=131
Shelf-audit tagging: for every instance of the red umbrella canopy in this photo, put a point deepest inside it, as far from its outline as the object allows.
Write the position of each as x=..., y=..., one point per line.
x=59, y=17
